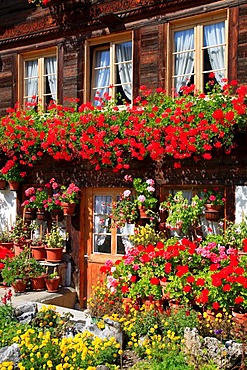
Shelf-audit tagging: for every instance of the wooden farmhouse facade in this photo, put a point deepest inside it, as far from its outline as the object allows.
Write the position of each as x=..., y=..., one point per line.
x=77, y=49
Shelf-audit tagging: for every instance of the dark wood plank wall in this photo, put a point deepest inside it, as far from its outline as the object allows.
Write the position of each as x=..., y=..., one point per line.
x=242, y=46
x=149, y=69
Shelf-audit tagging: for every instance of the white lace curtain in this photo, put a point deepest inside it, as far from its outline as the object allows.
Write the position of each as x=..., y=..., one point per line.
x=31, y=74
x=124, y=68
x=124, y=58
x=214, y=40
x=184, y=57
x=31, y=82
x=51, y=71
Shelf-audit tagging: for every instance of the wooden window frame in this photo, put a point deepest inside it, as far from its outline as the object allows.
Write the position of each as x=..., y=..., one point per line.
x=40, y=55
x=107, y=42
x=197, y=22
x=89, y=216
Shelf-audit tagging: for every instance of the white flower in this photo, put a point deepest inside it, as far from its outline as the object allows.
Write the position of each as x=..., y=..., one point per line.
x=126, y=193
x=141, y=198
x=150, y=182
x=151, y=189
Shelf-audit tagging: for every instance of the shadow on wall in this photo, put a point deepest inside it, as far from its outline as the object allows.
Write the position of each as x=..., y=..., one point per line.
x=7, y=209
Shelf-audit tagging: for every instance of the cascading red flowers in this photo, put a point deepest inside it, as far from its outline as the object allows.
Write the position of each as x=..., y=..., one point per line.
x=191, y=126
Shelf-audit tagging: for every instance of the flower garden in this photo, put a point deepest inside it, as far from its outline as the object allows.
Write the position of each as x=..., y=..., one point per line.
x=168, y=284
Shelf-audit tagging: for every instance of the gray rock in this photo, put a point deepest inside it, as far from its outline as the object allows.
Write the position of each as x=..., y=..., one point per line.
x=10, y=353
x=224, y=356
x=102, y=367
x=29, y=307
x=113, y=329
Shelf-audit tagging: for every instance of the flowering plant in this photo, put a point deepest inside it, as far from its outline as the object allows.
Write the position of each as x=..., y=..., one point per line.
x=12, y=172
x=69, y=194
x=15, y=267
x=154, y=127
x=37, y=198
x=214, y=197
x=145, y=191
x=56, y=238
x=6, y=236
x=182, y=214
x=124, y=210
x=21, y=231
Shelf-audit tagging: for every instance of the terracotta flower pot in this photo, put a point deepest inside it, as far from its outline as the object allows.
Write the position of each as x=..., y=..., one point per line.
x=213, y=212
x=143, y=212
x=57, y=215
x=38, y=283
x=52, y=284
x=2, y=184
x=7, y=245
x=29, y=214
x=41, y=214
x=54, y=254
x=20, y=246
x=38, y=252
x=13, y=185
x=19, y=285
x=68, y=208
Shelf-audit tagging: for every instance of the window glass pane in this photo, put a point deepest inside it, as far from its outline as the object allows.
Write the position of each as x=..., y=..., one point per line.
x=50, y=80
x=184, y=55
x=214, y=46
x=30, y=80
x=123, y=242
x=123, y=71
x=101, y=224
x=101, y=80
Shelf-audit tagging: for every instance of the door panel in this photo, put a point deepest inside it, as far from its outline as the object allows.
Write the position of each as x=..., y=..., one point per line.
x=100, y=241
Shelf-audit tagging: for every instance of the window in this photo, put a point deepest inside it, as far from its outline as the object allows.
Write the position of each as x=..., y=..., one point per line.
x=198, y=49
x=111, y=71
x=38, y=78
x=106, y=239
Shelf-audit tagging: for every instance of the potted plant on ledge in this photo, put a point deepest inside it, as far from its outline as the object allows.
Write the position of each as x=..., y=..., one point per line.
x=37, y=274
x=13, y=175
x=213, y=202
x=69, y=198
x=55, y=242
x=16, y=272
x=52, y=282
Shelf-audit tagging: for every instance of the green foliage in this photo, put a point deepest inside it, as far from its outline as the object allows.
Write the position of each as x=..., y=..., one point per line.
x=6, y=236
x=145, y=235
x=182, y=214
x=21, y=230
x=15, y=268
x=14, y=174
x=55, y=238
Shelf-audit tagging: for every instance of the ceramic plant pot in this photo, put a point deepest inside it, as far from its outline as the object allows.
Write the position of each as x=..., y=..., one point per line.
x=54, y=254
x=68, y=208
x=52, y=284
x=38, y=283
x=19, y=285
x=38, y=252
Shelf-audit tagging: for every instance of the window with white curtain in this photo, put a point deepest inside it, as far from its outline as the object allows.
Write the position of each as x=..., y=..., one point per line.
x=112, y=72
x=199, y=51
x=107, y=239
x=39, y=79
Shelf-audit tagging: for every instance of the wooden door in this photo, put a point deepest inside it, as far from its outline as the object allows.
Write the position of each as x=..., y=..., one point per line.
x=101, y=241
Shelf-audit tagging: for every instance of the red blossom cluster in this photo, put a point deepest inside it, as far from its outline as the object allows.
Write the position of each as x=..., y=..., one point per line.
x=5, y=253
x=157, y=125
x=189, y=275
